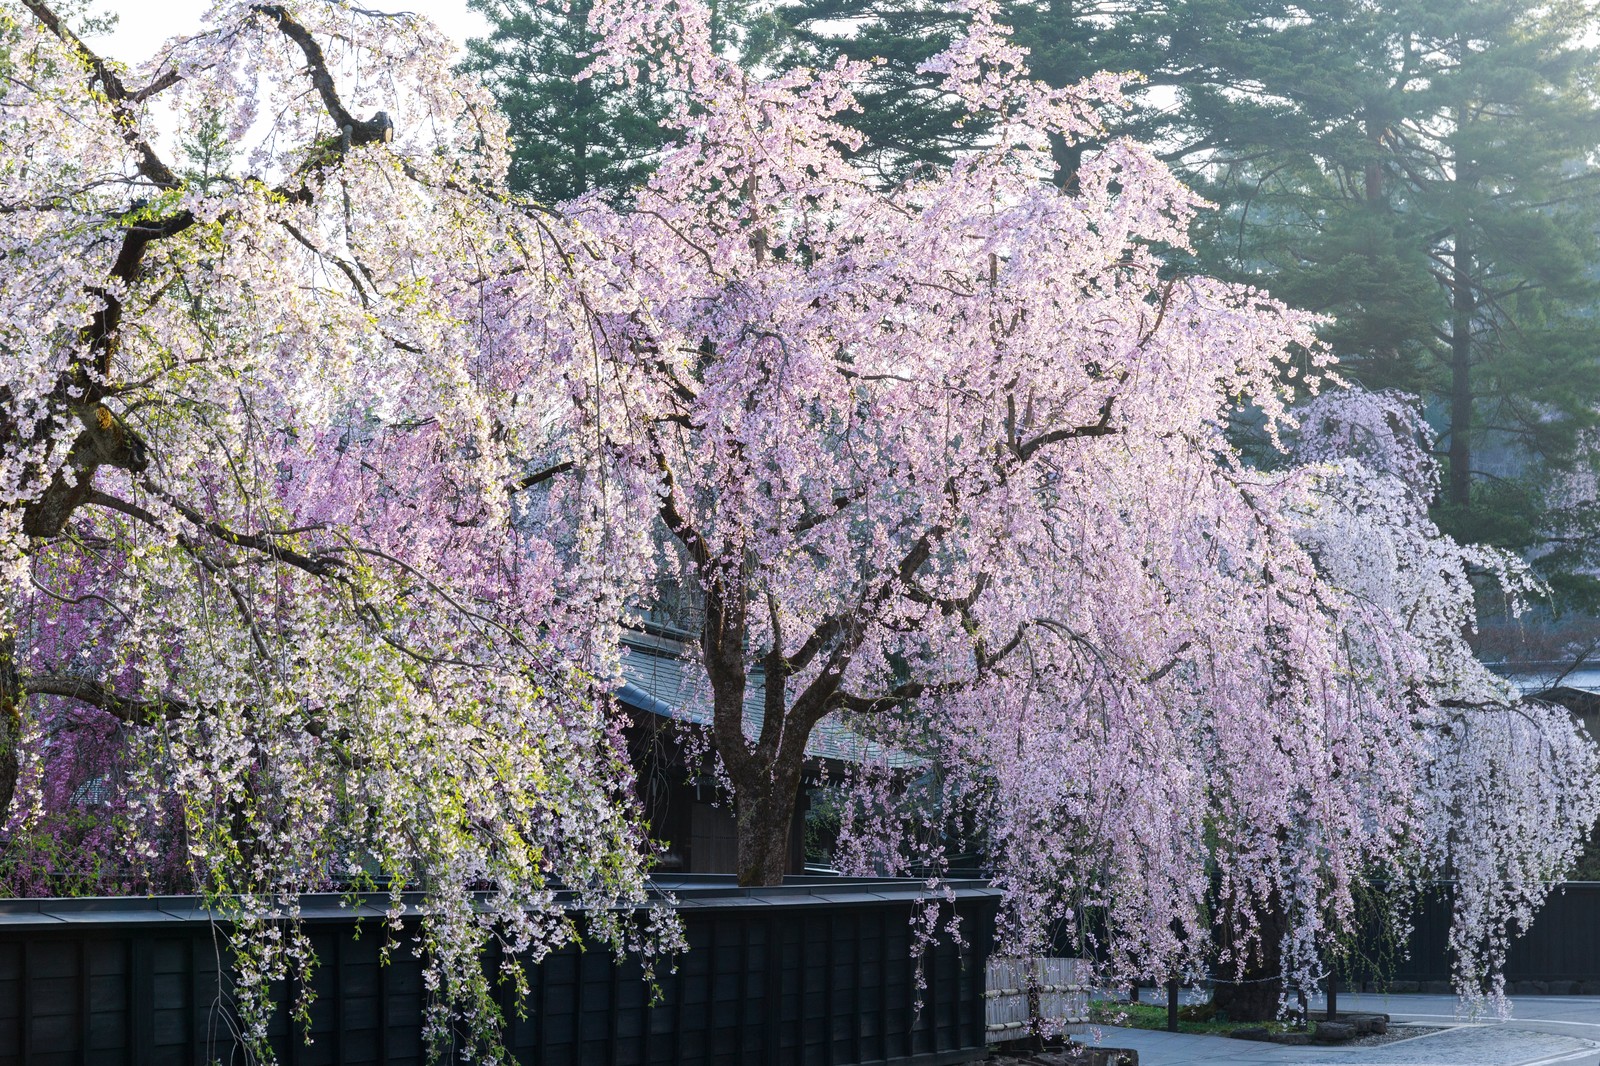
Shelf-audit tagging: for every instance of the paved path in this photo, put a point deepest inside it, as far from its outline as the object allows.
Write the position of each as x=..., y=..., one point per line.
x=1577, y=1016
x=1542, y=1031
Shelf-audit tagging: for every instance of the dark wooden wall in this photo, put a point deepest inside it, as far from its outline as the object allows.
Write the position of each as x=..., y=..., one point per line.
x=817, y=974
x=1560, y=953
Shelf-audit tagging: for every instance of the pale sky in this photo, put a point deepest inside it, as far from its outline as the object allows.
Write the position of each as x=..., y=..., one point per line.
x=143, y=25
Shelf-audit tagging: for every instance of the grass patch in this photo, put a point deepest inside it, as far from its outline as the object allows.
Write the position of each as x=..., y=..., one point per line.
x=1196, y=1018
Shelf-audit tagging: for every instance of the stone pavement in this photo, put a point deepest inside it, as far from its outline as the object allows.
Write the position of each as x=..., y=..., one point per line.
x=1542, y=1031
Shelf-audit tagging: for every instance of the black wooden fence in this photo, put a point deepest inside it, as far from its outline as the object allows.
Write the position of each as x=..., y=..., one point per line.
x=1559, y=953
x=819, y=972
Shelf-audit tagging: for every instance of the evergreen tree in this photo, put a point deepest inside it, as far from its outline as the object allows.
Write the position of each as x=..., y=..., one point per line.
x=1191, y=47
x=904, y=119
x=1433, y=192
x=568, y=135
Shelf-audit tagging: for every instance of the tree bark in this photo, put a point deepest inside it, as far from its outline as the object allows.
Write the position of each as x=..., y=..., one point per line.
x=766, y=775
x=10, y=722
x=766, y=814
x=1252, y=995
x=1462, y=305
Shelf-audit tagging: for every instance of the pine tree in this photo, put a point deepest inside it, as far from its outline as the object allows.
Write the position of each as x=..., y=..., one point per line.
x=1191, y=47
x=569, y=135
x=1434, y=195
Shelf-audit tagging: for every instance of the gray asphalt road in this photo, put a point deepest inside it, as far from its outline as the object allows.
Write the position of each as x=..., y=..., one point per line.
x=1542, y=1031
x=1575, y=1016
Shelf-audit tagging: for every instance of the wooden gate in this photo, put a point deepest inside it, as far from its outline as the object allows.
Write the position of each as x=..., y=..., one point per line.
x=1034, y=995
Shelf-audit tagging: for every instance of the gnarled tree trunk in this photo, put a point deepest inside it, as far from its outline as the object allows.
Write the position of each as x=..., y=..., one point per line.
x=10, y=722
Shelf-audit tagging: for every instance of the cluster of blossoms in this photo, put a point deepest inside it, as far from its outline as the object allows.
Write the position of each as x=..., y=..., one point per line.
x=952, y=459
x=262, y=507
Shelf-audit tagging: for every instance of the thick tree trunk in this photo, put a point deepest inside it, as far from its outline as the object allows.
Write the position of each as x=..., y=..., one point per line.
x=766, y=814
x=1252, y=996
x=10, y=722
x=765, y=776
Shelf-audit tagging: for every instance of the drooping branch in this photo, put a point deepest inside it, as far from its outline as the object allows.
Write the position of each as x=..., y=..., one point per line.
x=319, y=565
x=327, y=564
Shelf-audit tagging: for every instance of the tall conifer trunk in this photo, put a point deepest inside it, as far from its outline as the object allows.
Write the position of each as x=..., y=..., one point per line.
x=1463, y=305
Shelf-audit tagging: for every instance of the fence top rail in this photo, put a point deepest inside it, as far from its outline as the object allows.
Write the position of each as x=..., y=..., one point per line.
x=687, y=893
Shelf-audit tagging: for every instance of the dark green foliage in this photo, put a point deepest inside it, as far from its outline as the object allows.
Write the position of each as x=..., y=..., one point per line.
x=1413, y=168
x=1205, y=53
x=1427, y=186
x=903, y=117
x=568, y=136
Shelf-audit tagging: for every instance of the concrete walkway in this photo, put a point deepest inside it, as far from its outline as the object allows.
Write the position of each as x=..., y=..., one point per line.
x=1542, y=1031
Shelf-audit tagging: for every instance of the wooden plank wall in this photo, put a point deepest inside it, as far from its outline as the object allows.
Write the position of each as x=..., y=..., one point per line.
x=798, y=982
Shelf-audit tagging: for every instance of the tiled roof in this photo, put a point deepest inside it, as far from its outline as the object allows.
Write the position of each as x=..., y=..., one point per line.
x=653, y=670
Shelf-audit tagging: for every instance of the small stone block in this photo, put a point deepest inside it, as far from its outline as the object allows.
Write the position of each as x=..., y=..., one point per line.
x=1335, y=1032
x=1366, y=1024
